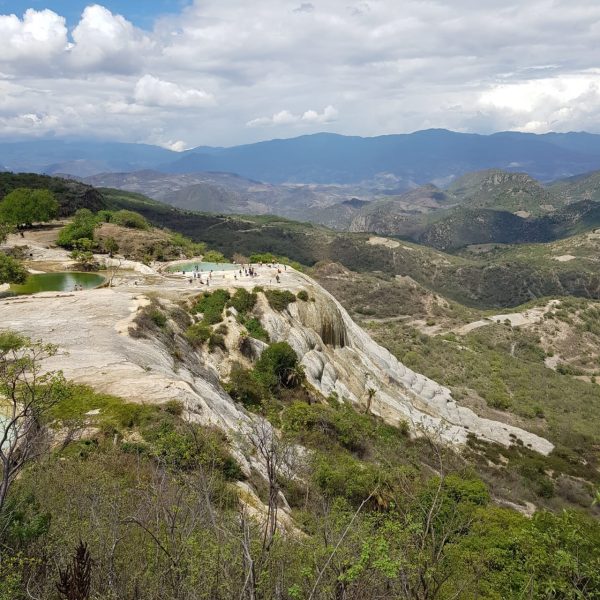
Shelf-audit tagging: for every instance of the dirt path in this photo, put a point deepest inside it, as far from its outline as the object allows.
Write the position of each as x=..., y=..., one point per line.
x=527, y=317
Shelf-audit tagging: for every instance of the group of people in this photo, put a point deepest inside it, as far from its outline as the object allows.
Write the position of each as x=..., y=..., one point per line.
x=197, y=275
x=244, y=271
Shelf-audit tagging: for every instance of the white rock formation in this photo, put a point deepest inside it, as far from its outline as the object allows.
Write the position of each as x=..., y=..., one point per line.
x=91, y=328
x=340, y=357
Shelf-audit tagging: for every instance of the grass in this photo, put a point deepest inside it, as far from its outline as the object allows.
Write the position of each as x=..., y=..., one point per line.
x=114, y=412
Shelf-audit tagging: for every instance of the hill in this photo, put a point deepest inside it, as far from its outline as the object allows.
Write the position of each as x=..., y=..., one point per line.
x=71, y=195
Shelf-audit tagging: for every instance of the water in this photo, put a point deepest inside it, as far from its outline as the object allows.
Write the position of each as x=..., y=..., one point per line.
x=56, y=282
x=205, y=267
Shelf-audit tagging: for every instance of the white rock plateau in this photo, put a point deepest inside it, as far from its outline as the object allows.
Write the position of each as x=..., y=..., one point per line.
x=91, y=329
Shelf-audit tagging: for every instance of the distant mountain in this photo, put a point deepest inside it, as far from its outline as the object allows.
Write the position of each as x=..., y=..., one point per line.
x=400, y=161
x=225, y=193
x=402, y=215
x=415, y=158
x=80, y=158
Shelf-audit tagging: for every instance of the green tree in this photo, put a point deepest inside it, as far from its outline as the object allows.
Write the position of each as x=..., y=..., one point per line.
x=24, y=206
x=278, y=366
x=11, y=270
x=110, y=245
x=29, y=394
x=82, y=227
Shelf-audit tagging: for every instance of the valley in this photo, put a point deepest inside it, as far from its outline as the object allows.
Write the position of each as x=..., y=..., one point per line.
x=350, y=374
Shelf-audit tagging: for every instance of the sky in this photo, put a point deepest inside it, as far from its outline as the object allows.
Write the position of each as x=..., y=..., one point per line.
x=187, y=73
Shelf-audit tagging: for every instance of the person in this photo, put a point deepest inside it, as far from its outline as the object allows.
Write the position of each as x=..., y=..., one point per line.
x=277, y=278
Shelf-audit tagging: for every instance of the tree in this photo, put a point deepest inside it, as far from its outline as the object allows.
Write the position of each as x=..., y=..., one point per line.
x=110, y=245
x=24, y=206
x=278, y=367
x=5, y=229
x=28, y=395
x=82, y=227
x=11, y=270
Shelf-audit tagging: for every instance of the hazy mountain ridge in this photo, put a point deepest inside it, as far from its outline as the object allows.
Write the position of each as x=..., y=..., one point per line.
x=413, y=159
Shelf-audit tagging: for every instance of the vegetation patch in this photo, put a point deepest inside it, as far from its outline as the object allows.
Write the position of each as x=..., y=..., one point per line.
x=211, y=305
x=279, y=300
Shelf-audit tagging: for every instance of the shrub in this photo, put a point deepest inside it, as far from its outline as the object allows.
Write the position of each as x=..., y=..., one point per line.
x=341, y=424
x=82, y=227
x=211, y=305
x=216, y=340
x=302, y=295
x=173, y=407
x=255, y=329
x=278, y=366
x=197, y=334
x=244, y=388
x=11, y=270
x=279, y=300
x=243, y=301
x=214, y=256
x=24, y=206
x=130, y=219
x=158, y=317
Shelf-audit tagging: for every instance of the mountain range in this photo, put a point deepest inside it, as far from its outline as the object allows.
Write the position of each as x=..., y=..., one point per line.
x=408, y=160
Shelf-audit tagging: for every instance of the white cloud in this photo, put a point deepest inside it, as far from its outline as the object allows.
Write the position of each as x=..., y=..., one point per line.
x=285, y=117
x=178, y=146
x=329, y=115
x=104, y=41
x=36, y=39
x=151, y=91
x=385, y=65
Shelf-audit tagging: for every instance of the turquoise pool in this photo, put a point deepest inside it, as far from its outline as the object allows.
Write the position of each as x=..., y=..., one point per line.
x=205, y=267
x=56, y=282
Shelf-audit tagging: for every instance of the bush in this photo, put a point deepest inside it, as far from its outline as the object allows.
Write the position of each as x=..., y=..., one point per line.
x=82, y=227
x=130, y=219
x=11, y=270
x=341, y=424
x=217, y=340
x=278, y=366
x=173, y=407
x=158, y=318
x=24, y=206
x=279, y=300
x=212, y=305
x=214, y=256
x=243, y=301
x=197, y=334
x=302, y=295
x=255, y=329
x=244, y=388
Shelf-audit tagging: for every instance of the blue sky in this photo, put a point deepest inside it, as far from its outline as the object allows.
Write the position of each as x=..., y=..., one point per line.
x=140, y=12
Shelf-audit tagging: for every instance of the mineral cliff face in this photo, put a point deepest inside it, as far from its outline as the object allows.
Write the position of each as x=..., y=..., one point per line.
x=340, y=357
x=92, y=330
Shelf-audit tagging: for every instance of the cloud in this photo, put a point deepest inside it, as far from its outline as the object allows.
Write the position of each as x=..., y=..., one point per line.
x=104, y=41
x=285, y=117
x=305, y=7
x=385, y=65
x=151, y=91
x=36, y=39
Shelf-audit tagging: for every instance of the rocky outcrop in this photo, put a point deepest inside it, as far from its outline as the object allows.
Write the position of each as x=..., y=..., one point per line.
x=348, y=363
x=92, y=330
